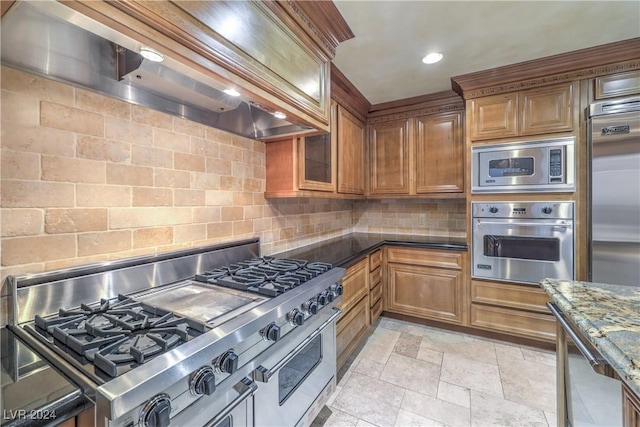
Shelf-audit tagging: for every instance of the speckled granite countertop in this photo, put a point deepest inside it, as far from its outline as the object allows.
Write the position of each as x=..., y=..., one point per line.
x=344, y=250
x=609, y=317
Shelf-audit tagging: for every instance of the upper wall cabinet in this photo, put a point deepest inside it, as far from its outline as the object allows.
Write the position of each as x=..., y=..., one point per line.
x=330, y=165
x=529, y=112
x=619, y=84
x=416, y=147
x=278, y=52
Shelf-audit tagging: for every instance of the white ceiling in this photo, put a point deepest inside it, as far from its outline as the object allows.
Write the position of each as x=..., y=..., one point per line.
x=384, y=59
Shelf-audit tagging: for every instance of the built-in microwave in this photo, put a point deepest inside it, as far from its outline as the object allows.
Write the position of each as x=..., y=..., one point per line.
x=541, y=166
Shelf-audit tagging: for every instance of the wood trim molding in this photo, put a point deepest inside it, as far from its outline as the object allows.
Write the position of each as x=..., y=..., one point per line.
x=323, y=21
x=347, y=95
x=5, y=5
x=435, y=103
x=580, y=64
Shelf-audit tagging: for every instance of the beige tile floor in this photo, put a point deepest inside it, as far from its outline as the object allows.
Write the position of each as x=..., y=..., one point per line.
x=413, y=375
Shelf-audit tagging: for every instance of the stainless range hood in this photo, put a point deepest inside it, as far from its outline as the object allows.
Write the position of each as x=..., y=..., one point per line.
x=54, y=41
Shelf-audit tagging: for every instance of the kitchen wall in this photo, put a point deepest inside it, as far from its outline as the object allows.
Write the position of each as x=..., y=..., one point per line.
x=86, y=178
x=443, y=217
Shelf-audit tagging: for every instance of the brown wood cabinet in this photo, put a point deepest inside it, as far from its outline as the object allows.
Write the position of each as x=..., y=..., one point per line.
x=375, y=285
x=537, y=111
x=630, y=407
x=354, y=321
x=327, y=165
x=417, y=156
x=438, y=145
x=619, y=84
x=350, y=142
x=389, y=158
x=515, y=309
x=426, y=283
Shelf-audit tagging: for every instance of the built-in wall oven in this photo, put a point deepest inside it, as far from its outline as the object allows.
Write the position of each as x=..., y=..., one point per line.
x=523, y=242
x=541, y=166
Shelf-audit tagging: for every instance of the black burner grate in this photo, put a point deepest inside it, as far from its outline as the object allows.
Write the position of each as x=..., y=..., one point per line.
x=267, y=276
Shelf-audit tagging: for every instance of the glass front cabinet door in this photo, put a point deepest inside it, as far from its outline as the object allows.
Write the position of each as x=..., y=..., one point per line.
x=317, y=161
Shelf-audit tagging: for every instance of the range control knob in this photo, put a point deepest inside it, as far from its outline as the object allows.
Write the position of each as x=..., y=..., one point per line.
x=296, y=317
x=271, y=332
x=493, y=209
x=203, y=381
x=156, y=412
x=337, y=288
x=310, y=307
x=547, y=210
x=331, y=296
x=227, y=363
x=322, y=298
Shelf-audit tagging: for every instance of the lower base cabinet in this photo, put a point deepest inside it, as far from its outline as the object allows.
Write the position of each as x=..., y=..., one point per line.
x=630, y=408
x=514, y=309
x=426, y=283
x=351, y=327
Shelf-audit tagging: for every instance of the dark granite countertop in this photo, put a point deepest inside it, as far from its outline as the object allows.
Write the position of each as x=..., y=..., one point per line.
x=609, y=317
x=344, y=250
x=33, y=393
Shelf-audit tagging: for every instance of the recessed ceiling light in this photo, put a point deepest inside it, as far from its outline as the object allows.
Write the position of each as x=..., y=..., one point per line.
x=231, y=92
x=280, y=115
x=432, y=58
x=151, y=54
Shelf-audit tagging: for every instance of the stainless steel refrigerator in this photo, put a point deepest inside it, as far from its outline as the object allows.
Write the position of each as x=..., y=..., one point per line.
x=614, y=188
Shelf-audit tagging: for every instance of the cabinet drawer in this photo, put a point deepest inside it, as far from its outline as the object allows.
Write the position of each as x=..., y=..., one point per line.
x=514, y=322
x=375, y=277
x=432, y=258
x=376, y=310
x=355, y=284
x=619, y=84
x=351, y=326
x=376, y=294
x=375, y=259
x=522, y=297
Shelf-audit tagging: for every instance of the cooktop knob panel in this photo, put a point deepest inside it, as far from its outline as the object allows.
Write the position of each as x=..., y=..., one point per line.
x=296, y=317
x=227, y=363
x=271, y=332
x=203, y=381
x=156, y=412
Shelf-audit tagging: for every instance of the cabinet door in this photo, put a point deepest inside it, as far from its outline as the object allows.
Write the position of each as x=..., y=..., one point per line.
x=316, y=171
x=494, y=117
x=355, y=284
x=630, y=407
x=350, y=328
x=427, y=292
x=621, y=84
x=439, y=162
x=350, y=153
x=546, y=110
x=389, y=157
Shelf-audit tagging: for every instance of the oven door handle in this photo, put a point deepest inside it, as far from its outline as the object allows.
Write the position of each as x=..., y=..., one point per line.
x=246, y=388
x=600, y=366
x=559, y=227
x=263, y=374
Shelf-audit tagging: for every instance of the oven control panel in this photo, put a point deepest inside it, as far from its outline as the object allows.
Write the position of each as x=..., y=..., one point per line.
x=530, y=210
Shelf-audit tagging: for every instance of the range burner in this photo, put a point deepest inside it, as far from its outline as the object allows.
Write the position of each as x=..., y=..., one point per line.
x=118, y=335
x=266, y=276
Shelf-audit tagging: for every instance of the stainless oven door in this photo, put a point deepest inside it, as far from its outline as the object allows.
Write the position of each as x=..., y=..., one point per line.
x=523, y=250
x=292, y=380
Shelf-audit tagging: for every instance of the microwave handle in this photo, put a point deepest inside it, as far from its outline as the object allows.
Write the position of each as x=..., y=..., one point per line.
x=562, y=228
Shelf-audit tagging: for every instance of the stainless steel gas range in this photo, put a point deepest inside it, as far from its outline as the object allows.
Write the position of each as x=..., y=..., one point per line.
x=209, y=337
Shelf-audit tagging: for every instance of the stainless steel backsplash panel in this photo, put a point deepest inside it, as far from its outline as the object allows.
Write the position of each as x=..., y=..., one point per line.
x=44, y=294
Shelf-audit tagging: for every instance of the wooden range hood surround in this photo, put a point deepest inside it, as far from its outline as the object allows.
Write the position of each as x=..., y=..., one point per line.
x=577, y=65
